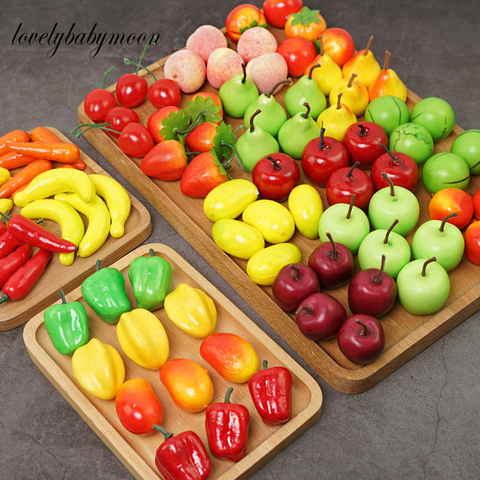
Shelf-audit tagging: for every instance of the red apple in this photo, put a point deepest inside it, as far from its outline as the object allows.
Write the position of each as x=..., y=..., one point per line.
x=338, y=43
x=362, y=142
x=472, y=242
x=450, y=200
x=476, y=204
x=299, y=53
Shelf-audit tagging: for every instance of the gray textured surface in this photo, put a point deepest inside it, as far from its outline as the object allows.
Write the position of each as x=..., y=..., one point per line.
x=421, y=422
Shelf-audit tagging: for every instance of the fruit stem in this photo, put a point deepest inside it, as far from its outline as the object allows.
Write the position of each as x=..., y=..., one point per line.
x=98, y=125
x=352, y=78
x=244, y=79
x=297, y=275
x=363, y=130
x=252, y=127
x=424, y=269
x=317, y=65
x=276, y=163
x=143, y=54
x=110, y=70
x=350, y=207
x=394, y=158
x=378, y=278
x=387, y=56
x=281, y=82
x=350, y=172
x=392, y=187
x=265, y=364
x=446, y=219
x=126, y=61
x=392, y=226
x=228, y=395
x=307, y=113
x=365, y=332
x=368, y=46
x=321, y=144
x=338, y=101
x=303, y=307
x=62, y=296
x=333, y=253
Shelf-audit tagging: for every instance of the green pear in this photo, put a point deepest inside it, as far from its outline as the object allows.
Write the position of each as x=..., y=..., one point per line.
x=237, y=94
x=272, y=115
x=296, y=132
x=306, y=91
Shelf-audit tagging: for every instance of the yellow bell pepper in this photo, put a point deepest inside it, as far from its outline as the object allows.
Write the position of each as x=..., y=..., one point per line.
x=6, y=204
x=99, y=369
x=191, y=310
x=4, y=175
x=143, y=338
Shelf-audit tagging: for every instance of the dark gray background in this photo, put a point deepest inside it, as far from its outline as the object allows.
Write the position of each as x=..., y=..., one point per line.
x=422, y=421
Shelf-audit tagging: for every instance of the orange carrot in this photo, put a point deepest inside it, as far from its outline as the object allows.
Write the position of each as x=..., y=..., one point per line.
x=58, y=152
x=24, y=177
x=42, y=134
x=13, y=136
x=14, y=160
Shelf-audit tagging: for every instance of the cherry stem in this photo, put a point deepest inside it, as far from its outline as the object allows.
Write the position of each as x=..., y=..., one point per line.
x=350, y=172
x=334, y=247
x=368, y=46
x=424, y=269
x=142, y=55
x=338, y=101
x=385, y=63
x=317, y=65
x=446, y=219
x=392, y=187
x=352, y=78
x=394, y=158
x=100, y=126
x=303, y=307
x=281, y=82
x=228, y=395
x=365, y=332
x=126, y=61
x=244, y=79
x=297, y=275
x=110, y=70
x=307, y=113
x=350, y=207
x=276, y=163
x=392, y=226
x=257, y=112
x=321, y=144
x=363, y=130
x=378, y=278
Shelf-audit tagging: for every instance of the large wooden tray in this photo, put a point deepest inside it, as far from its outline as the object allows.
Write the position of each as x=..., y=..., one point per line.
x=406, y=334
x=137, y=453
x=137, y=228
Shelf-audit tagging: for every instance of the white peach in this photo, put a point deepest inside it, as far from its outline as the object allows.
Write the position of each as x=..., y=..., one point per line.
x=255, y=42
x=205, y=39
x=267, y=70
x=222, y=65
x=187, y=69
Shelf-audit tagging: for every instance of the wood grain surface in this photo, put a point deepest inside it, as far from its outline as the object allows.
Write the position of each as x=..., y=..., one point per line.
x=137, y=452
x=406, y=334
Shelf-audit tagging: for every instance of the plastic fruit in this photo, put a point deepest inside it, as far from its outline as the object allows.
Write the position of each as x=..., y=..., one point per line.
x=299, y=53
x=187, y=69
x=364, y=65
x=476, y=205
x=255, y=42
x=278, y=11
x=467, y=145
x=436, y=115
x=336, y=119
x=222, y=65
x=355, y=94
x=306, y=207
x=205, y=39
x=387, y=83
x=452, y=200
x=242, y=18
x=413, y=140
x=364, y=141
x=154, y=122
x=472, y=242
x=387, y=111
x=308, y=24
x=338, y=43
x=445, y=170
x=267, y=70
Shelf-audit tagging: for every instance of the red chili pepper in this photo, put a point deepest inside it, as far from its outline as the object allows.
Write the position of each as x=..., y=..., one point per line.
x=11, y=263
x=183, y=457
x=227, y=429
x=3, y=228
x=8, y=243
x=271, y=391
x=22, y=281
x=26, y=231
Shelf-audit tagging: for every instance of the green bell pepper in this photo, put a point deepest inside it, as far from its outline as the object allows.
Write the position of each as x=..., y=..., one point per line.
x=151, y=279
x=66, y=325
x=104, y=292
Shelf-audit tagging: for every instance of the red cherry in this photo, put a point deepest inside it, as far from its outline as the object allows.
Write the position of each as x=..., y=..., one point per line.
x=164, y=93
x=131, y=90
x=135, y=140
x=119, y=118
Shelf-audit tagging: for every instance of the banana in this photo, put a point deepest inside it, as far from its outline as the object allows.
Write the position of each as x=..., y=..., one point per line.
x=98, y=221
x=69, y=220
x=55, y=181
x=117, y=200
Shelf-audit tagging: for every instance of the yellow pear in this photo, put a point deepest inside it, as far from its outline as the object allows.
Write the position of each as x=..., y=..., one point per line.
x=387, y=83
x=355, y=94
x=364, y=65
x=336, y=119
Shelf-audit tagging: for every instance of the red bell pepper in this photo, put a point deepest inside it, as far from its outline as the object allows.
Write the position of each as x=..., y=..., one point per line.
x=8, y=243
x=11, y=263
x=271, y=391
x=183, y=457
x=227, y=429
x=3, y=228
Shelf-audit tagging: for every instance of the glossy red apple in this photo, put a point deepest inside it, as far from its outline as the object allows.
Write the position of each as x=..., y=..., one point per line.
x=319, y=316
x=476, y=204
x=294, y=283
x=361, y=339
x=362, y=142
x=372, y=291
x=338, y=43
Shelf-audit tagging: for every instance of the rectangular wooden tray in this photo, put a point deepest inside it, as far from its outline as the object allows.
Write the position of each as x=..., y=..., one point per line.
x=406, y=334
x=137, y=453
x=137, y=228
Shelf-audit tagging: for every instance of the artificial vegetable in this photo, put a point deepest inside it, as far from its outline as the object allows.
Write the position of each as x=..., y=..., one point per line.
x=13, y=160
x=271, y=391
x=6, y=205
x=99, y=369
x=191, y=310
x=151, y=279
x=13, y=136
x=23, y=280
x=143, y=338
x=227, y=429
x=66, y=325
x=182, y=457
x=24, y=177
x=55, y=152
x=12, y=262
x=104, y=292
x=8, y=243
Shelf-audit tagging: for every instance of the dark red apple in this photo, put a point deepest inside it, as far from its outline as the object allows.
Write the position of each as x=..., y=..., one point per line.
x=361, y=339
x=362, y=140
x=333, y=263
x=319, y=316
x=322, y=156
x=372, y=291
x=293, y=283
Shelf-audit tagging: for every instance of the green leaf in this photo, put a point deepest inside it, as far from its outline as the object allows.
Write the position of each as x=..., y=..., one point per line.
x=216, y=161
x=305, y=17
x=224, y=135
x=206, y=105
x=176, y=121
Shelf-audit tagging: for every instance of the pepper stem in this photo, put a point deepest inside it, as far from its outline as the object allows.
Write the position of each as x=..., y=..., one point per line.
x=5, y=216
x=334, y=247
x=446, y=219
x=392, y=226
x=378, y=278
x=297, y=275
x=166, y=434
x=350, y=207
x=307, y=113
x=368, y=46
x=392, y=187
x=321, y=144
x=303, y=307
x=317, y=65
x=4, y=298
x=281, y=82
x=252, y=127
x=276, y=163
x=97, y=265
x=365, y=332
x=424, y=269
x=228, y=394
x=352, y=78
x=385, y=63
x=152, y=252
x=350, y=172
x=265, y=364
x=110, y=70
x=62, y=296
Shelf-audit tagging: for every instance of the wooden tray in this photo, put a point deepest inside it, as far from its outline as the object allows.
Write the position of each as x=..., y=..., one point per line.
x=137, y=453
x=137, y=228
x=406, y=334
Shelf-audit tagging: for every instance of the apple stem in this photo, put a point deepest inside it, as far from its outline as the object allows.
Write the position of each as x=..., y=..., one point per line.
x=365, y=332
x=276, y=163
x=446, y=219
x=387, y=56
x=333, y=253
x=396, y=160
x=281, y=82
x=317, y=65
x=252, y=127
x=392, y=187
x=424, y=269
x=307, y=113
x=321, y=144
x=352, y=78
x=350, y=172
x=297, y=275
x=368, y=46
x=378, y=278
x=244, y=68
x=363, y=130
x=303, y=307
x=338, y=101
x=350, y=207
x=392, y=226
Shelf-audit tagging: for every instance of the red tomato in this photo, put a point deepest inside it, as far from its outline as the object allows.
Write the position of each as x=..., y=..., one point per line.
x=119, y=118
x=476, y=204
x=298, y=53
x=131, y=90
x=164, y=93
x=277, y=11
x=450, y=200
x=338, y=43
x=242, y=17
x=154, y=122
x=472, y=242
x=200, y=139
x=166, y=161
x=135, y=140
x=98, y=103
x=214, y=97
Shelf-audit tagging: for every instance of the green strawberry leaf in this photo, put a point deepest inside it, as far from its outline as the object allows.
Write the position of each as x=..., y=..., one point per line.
x=216, y=161
x=176, y=121
x=205, y=107
x=305, y=17
x=223, y=141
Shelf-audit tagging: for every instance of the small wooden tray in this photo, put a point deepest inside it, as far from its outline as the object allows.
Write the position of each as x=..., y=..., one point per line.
x=137, y=228
x=137, y=453
x=406, y=334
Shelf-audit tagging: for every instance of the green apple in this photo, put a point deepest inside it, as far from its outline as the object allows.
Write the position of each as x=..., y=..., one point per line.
x=436, y=115
x=467, y=145
x=423, y=286
x=445, y=170
x=413, y=140
x=387, y=111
